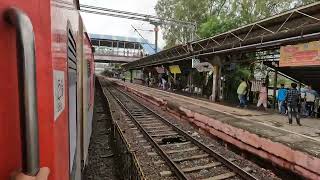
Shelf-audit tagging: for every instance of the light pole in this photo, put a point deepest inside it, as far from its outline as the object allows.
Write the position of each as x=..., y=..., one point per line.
x=156, y=30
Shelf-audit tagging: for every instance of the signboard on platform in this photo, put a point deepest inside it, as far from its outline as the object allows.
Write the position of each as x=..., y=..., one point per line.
x=195, y=62
x=305, y=54
x=204, y=67
x=159, y=70
x=175, y=69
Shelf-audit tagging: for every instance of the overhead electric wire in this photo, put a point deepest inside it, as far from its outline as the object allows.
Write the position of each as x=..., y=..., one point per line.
x=113, y=15
x=131, y=15
x=145, y=41
x=117, y=11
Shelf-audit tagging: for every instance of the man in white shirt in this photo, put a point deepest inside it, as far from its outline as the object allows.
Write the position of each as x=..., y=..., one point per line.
x=310, y=97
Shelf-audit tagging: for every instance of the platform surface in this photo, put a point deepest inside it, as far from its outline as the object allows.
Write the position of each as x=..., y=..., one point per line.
x=299, y=144
x=310, y=128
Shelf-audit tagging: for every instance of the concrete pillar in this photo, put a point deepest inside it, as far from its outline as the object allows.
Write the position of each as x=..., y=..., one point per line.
x=216, y=78
x=216, y=83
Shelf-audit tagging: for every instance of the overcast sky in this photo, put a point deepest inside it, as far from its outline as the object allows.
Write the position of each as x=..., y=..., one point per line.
x=121, y=27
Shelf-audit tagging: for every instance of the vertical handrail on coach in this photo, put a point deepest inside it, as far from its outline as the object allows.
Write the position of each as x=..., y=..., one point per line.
x=26, y=62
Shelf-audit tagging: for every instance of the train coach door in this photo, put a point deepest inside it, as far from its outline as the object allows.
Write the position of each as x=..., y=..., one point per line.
x=72, y=101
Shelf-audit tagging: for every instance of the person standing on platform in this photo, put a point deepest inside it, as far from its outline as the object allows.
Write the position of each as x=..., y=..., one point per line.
x=263, y=97
x=282, y=93
x=164, y=81
x=293, y=101
x=248, y=93
x=310, y=98
x=241, y=91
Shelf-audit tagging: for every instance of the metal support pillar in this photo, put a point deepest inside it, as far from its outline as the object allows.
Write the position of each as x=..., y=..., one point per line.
x=156, y=29
x=190, y=82
x=112, y=48
x=124, y=48
x=117, y=48
x=300, y=86
x=275, y=83
x=219, y=85
x=134, y=49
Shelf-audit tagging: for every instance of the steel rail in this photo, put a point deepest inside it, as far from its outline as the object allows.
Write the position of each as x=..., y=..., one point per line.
x=177, y=171
x=244, y=174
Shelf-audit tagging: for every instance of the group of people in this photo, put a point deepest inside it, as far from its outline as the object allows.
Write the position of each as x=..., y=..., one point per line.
x=307, y=101
x=166, y=81
x=290, y=101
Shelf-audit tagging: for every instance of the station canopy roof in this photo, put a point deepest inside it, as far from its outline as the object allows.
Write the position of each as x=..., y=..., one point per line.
x=291, y=27
x=308, y=75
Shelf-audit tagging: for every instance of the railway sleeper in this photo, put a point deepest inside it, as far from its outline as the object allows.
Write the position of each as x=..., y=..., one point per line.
x=161, y=130
x=192, y=169
x=161, y=135
x=146, y=119
x=152, y=124
x=199, y=168
x=176, y=144
x=200, y=156
x=157, y=127
x=142, y=116
x=226, y=175
x=175, y=151
x=148, y=122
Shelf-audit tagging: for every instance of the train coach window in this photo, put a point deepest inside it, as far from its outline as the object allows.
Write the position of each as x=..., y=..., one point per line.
x=72, y=102
x=89, y=69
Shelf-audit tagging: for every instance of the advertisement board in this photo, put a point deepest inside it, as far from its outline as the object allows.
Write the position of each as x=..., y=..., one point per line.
x=305, y=54
x=204, y=67
x=175, y=69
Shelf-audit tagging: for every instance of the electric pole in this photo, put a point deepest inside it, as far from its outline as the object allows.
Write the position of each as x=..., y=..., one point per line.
x=156, y=30
x=154, y=20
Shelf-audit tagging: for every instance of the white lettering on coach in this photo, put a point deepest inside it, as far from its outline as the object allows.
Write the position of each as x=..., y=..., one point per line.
x=59, y=92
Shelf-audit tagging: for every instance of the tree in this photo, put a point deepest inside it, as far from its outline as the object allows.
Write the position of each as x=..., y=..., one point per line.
x=216, y=16
x=184, y=10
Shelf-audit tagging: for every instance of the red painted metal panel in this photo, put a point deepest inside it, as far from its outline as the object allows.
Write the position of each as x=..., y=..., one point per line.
x=10, y=156
x=63, y=16
x=50, y=20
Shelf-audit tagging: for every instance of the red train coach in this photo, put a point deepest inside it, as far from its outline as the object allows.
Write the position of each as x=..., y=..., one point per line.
x=46, y=75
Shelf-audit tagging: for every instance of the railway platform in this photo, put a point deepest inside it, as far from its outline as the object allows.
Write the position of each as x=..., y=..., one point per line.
x=265, y=134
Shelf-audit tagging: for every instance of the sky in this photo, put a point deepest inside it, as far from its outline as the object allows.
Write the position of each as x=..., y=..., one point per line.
x=121, y=27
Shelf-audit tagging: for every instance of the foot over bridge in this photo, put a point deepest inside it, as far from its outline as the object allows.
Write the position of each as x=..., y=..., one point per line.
x=119, y=49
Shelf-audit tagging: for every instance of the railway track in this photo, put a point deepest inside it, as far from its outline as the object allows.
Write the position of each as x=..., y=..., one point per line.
x=187, y=157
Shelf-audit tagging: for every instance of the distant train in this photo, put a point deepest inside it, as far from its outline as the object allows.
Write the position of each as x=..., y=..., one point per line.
x=47, y=88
